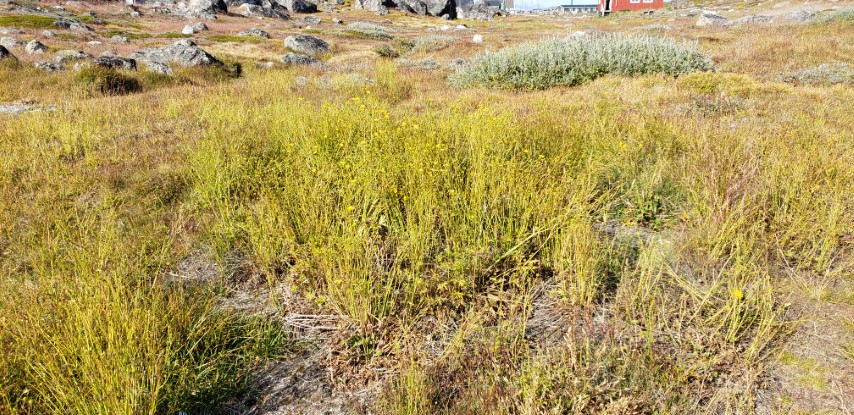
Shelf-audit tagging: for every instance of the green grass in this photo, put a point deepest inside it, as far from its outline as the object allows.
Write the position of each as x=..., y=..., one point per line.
x=621, y=246
x=27, y=22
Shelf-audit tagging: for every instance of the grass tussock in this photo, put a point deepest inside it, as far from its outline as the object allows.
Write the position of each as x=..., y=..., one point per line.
x=574, y=61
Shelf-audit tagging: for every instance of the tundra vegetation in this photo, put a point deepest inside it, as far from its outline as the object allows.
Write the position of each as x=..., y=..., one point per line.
x=609, y=223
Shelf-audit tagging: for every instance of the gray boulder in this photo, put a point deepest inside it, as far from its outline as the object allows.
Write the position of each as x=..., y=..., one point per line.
x=708, y=19
x=204, y=9
x=263, y=8
x=299, y=6
x=255, y=32
x=64, y=56
x=5, y=31
x=428, y=7
x=801, y=16
x=292, y=59
x=376, y=6
x=35, y=47
x=188, y=30
x=311, y=20
x=183, y=52
x=200, y=27
x=48, y=66
x=479, y=10
x=10, y=42
x=307, y=44
x=120, y=39
x=749, y=20
x=158, y=67
x=115, y=63
x=48, y=33
x=5, y=54
x=71, y=24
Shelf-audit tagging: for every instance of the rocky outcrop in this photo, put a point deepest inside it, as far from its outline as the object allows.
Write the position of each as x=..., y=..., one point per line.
x=115, y=63
x=299, y=6
x=428, y=7
x=183, y=52
x=300, y=60
x=377, y=6
x=259, y=8
x=749, y=20
x=307, y=44
x=708, y=19
x=202, y=9
x=478, y=10
x=71, y=24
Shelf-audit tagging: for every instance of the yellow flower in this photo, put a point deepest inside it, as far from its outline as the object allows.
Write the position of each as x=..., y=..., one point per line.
x=350, y=208
x=737, y=294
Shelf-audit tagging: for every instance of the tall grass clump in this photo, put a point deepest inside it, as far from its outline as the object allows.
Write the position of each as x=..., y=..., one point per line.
x=574, y=61
x=367, y=30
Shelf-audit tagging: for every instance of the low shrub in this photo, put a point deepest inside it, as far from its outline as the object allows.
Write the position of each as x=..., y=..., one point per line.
x=107, y=81
x=574, y=61
x=837, y=16
x=367, y=30
x=387, y=51
x=432, y=43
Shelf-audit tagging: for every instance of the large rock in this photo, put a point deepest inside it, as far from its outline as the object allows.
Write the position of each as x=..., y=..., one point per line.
x=255, y=32
x=115, y=63
x=479, y=10
x=183, y=52
x=260, y=8
x=299, y=6
x=307, y=44
x=204, y=9
x=64, y=56
x=749, y=20
x=48, y=66
x=300, y=60
x=708, y=19
x=35, y=47
x=5, y=54
x=71, y=24
x=10, y=42
x=428, y=7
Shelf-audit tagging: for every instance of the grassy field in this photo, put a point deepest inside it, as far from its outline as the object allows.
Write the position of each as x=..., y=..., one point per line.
x=634, y=244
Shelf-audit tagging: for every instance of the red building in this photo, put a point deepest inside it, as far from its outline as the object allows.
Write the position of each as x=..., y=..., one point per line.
x=608, y=6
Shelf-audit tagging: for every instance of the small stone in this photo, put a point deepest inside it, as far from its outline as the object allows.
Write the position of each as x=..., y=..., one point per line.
x=115, y=63
x=48, y=66
x=188, y=30
x=120, y=39
x=70, y=55
x=10, y=42
x=477, y=39
x=35, y=47
x=255, y=32
x=300, y=60
x=48, y=33
x=200, y=27
x=445, y=28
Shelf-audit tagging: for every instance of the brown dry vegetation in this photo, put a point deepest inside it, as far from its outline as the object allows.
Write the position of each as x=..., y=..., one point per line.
x=300, y=240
